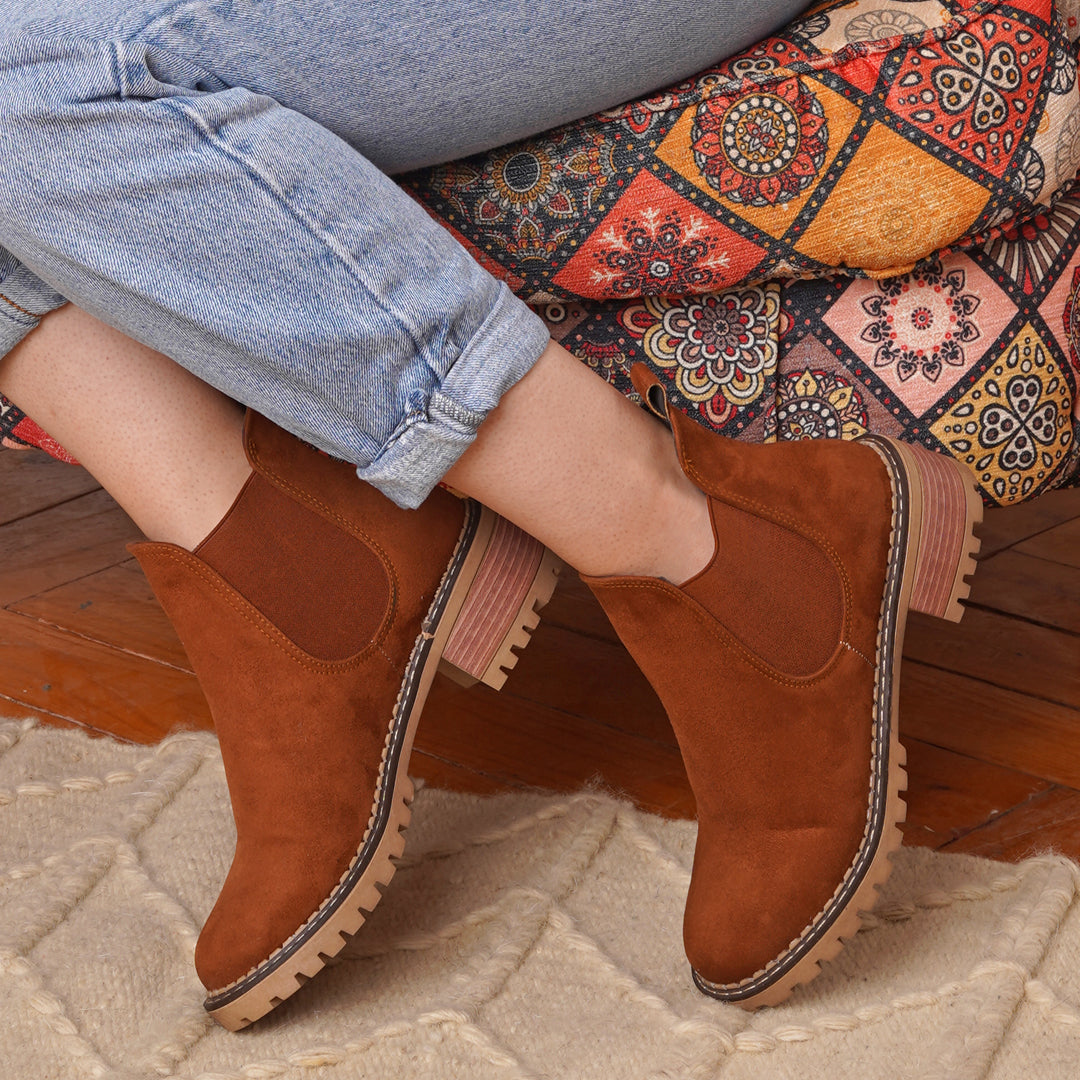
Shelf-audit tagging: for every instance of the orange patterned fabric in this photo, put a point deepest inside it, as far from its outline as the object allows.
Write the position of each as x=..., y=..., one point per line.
x=863, y=138
x=974, y=354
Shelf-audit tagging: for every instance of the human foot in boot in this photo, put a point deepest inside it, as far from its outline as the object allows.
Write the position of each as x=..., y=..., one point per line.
x=778, y=665
x=315, y=616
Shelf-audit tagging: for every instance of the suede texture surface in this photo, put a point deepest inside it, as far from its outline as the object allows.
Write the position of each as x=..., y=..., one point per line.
x=301, y=735
x=779, y=758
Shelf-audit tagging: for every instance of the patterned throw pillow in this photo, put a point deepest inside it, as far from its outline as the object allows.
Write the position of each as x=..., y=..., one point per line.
x=864, y=137
x=974, y=354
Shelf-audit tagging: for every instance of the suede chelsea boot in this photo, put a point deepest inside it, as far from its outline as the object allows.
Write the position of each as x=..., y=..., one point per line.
x=315, y=616
x=778, y=665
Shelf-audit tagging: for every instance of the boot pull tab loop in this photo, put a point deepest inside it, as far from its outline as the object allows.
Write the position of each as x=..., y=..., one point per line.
x=651, y=391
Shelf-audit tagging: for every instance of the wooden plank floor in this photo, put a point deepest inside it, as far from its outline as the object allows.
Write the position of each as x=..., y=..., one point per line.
x=990, y=709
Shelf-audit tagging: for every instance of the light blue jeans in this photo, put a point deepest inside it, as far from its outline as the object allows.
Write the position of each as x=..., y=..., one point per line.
x=210, y=177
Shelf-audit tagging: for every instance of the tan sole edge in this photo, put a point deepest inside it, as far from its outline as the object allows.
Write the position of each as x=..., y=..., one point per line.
x=865, y=897
x=962, y=584
x=331, y=938
x=314, y=954
x=525, y=621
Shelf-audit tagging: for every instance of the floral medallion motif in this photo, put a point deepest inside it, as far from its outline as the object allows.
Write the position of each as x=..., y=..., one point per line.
x=719, y=346
x=550, y=177
x=762, y=148
x=883, y=24
x=1027, y=250
x=605, y=358
x=809, y=26
x=524, y=200
x=1030, y=175
x=1021, y=423
x=1012, y=427
x=815, y=405
x=1063, y=78
x=640, y=115
x=520, y=178
x=921, y=322
x=658, y=254
x=980, y=79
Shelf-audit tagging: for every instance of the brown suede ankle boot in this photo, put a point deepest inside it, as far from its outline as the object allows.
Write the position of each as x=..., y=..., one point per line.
x=778, y=665
x=315, y=616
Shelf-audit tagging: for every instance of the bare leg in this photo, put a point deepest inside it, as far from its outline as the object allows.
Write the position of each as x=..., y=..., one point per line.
x=171, y=452
x=569, y=459
x=564, y=456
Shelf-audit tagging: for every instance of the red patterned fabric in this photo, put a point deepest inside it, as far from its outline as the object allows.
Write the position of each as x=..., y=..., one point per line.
x=975, y=354
x=19, y=432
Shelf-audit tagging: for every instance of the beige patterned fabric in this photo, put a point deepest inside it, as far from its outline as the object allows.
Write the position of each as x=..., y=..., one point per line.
x=529, y=936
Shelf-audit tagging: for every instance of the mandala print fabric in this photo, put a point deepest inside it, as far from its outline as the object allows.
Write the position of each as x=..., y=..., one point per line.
x=863, y=138
x=974, y=354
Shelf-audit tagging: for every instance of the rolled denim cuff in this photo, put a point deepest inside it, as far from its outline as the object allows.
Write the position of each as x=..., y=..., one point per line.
x=24, y=300
x=428, y=442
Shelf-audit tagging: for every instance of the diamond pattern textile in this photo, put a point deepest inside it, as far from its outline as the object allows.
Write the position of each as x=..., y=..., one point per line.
x=524, y=937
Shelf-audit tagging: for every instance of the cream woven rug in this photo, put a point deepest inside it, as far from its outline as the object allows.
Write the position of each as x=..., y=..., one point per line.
x=527, y=936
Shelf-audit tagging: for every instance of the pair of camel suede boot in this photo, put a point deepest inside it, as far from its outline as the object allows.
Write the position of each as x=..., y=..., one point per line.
x=317, y=613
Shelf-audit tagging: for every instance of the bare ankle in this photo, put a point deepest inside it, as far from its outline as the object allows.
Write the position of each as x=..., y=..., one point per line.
x=690, y=543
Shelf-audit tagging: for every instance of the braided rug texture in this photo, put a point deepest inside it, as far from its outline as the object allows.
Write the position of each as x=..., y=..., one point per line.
x=525, y=936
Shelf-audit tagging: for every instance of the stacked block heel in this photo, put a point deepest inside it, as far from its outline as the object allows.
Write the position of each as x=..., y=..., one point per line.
x=946, y=507
x=514, y=577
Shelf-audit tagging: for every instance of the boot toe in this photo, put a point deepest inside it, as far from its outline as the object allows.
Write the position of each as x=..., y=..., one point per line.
x=751, y=902
x=258, y=912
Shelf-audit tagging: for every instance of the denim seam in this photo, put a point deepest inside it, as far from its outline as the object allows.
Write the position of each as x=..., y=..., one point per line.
x=118, y=70
x=456, y=411
x=268, y=182
x=441, y=421
x=447, y=411
x=20, y=310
